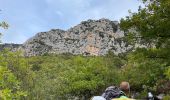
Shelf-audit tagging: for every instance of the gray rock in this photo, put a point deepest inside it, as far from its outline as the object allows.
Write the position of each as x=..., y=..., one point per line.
x=91, y=37
x=12, y=47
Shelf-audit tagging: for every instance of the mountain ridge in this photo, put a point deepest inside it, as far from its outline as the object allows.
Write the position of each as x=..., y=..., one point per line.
x=91, y=37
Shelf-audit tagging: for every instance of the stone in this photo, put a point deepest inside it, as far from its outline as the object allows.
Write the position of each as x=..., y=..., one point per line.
x=91, y=37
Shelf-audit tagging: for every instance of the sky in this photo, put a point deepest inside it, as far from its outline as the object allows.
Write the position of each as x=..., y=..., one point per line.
x=28, y=17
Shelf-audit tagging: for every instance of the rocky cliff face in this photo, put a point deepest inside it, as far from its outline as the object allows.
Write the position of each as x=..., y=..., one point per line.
x=92, y=37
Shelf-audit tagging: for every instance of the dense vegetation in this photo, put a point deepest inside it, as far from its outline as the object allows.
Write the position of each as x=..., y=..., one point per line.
x=9, y=83
x=150, y=26
x=67, y=76
x=63, y=76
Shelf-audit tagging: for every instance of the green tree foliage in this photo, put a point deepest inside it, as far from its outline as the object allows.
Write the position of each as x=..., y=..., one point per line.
x=149, y=25
x=4, y=25
x=148, y=71
x=9, y=76
x=63, y=78
x=86, y=76
x=10, y=86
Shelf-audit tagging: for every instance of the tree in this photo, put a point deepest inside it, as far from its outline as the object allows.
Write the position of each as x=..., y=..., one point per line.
x=88, y=76
x=9, y=84
x=3, y=25
x=150, y=25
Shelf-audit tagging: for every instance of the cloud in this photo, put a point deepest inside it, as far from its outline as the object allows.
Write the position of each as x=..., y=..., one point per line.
x=27, y=17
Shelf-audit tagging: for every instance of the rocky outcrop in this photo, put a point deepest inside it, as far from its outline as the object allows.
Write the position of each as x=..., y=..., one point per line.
x=91, y=37
x=12, y=47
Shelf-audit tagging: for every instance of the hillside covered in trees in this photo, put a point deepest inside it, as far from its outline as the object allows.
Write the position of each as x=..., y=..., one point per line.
x=67, y=76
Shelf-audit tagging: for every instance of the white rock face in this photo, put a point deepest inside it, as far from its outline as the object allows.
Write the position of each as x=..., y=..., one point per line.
x=91, y=37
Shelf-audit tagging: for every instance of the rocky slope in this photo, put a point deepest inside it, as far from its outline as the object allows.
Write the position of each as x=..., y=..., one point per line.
x=12, y=47
x=91, y=37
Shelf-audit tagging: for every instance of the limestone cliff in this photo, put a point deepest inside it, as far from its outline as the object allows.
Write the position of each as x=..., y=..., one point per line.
x=91, y=37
